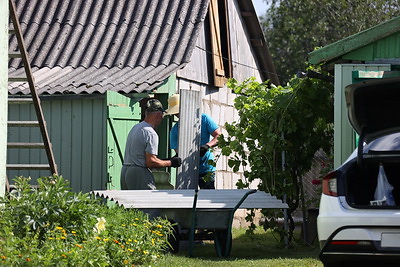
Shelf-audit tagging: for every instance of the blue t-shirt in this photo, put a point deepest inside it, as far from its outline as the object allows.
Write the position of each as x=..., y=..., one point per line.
x=208, y=126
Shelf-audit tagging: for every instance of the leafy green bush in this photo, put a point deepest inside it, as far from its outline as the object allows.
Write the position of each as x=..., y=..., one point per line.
x=52, y=226
x=36, y=211
x=275, y=140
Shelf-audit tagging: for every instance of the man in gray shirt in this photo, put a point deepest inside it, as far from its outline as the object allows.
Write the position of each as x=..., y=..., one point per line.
x=141, y=151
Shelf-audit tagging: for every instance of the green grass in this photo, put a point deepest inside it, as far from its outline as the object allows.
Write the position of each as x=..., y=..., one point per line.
x=260, y=249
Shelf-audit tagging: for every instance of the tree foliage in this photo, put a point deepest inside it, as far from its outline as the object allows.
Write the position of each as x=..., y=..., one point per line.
x=293, y=28
x=296, y=119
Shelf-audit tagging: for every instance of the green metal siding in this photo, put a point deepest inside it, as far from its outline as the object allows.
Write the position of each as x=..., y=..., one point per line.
x=386, y=48
x=80, y=137
x=24, y=134
x=77, y=132
x=364, y=53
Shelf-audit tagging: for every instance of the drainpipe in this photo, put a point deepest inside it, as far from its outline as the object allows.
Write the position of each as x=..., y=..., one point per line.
x=3, y=92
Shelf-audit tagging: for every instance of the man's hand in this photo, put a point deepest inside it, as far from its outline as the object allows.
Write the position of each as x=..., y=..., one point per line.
x=176, y=162
x=204, y=149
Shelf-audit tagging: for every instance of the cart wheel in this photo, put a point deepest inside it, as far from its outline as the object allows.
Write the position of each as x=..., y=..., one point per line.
x=174, y=238
x=222, y=242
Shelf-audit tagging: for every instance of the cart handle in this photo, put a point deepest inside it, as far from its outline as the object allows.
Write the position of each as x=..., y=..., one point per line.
x=229, y=232
x=192, y=228
x=243, y=199
x=230, y=221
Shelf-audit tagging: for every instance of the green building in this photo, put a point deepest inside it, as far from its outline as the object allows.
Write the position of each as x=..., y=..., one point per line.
x=371, y=54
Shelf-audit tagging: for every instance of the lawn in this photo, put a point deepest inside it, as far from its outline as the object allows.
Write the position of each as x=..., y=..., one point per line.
x=260, y=249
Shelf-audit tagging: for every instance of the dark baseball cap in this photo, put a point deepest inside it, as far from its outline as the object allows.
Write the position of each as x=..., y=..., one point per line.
x=154, y=105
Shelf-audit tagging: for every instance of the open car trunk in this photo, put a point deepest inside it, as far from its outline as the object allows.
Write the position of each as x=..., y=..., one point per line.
x=373, y=111
x=360, y=183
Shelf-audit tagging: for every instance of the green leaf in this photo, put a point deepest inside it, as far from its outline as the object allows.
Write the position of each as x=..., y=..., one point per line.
x=295, y=119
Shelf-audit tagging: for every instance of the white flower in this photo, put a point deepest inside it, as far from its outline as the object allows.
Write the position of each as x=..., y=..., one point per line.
x=100, y=225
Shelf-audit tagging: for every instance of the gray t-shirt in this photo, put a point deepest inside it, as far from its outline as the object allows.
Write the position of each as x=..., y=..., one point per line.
x=141, y=139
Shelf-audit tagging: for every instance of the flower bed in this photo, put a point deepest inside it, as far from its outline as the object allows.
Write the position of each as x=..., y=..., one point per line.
x=52, y=226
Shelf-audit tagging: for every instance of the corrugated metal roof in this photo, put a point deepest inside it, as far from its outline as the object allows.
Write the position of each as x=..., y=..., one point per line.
x=87, y=46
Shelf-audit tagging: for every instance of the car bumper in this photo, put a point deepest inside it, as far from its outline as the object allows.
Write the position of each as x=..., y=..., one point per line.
x=334, y=213
x=386, y=250
x=347, y=234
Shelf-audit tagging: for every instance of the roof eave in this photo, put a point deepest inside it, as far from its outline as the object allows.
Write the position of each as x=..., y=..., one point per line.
x=258, y=42
x=353, y=42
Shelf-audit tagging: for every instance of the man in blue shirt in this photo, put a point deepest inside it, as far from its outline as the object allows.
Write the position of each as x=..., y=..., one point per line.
x=208, y=139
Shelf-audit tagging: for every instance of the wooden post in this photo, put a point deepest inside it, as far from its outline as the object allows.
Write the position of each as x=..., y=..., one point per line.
x=3, y=92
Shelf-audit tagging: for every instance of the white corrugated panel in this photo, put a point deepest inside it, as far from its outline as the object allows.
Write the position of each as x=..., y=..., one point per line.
x=183, y=199
x=189, y=139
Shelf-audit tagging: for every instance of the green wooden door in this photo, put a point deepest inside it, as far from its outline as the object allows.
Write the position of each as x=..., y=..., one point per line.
x=123, y=114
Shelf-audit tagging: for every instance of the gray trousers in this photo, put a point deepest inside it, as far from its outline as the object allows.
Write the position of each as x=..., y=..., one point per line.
x=139, y=178
x=136, y=178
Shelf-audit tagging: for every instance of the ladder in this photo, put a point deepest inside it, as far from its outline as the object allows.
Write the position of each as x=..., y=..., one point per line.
x=22, y=54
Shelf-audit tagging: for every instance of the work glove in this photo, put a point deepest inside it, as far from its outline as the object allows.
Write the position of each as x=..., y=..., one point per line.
x=176, y=162
x=204, y=149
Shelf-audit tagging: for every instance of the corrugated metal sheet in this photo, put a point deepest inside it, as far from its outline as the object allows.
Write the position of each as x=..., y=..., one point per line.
x=189, y=138
x=183, y=199
x=87, y=46
x=388, y=47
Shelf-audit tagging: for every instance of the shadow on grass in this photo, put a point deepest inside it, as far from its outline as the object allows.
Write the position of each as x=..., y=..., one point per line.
x=261, y=245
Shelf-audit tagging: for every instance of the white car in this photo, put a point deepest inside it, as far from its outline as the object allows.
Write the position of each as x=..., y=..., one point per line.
x=355, y=223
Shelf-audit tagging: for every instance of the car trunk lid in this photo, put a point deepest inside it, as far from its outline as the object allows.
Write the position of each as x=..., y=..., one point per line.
x=373, y=107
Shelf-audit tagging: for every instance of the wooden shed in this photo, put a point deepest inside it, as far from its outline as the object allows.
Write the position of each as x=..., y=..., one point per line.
x=371, y=54
x=96, y=63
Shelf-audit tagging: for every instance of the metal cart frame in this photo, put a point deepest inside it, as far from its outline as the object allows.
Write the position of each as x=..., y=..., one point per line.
x=211, y=211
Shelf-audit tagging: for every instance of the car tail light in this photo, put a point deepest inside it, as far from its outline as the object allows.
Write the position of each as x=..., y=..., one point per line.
x=329, y=184
x=345, y=243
